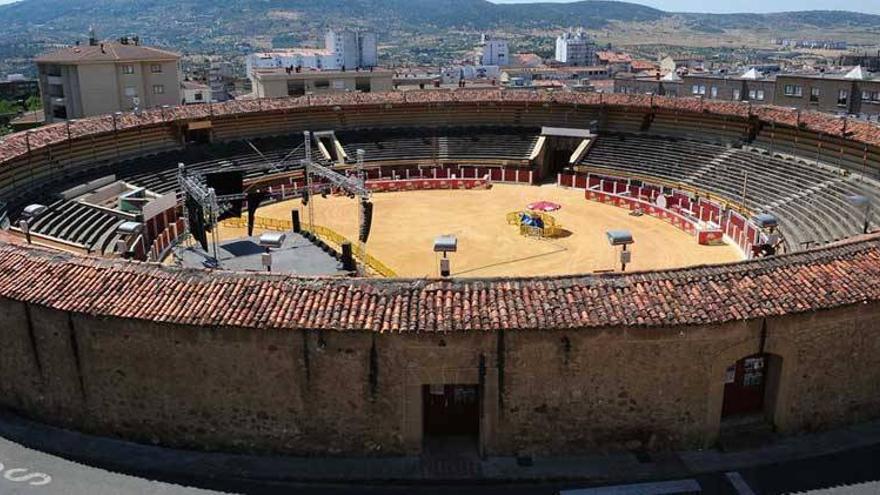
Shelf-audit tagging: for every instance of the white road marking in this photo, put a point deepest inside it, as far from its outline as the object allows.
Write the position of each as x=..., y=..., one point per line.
x=739, y=484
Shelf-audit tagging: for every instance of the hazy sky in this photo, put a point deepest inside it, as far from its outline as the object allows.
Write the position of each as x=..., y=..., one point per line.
x=870, y=6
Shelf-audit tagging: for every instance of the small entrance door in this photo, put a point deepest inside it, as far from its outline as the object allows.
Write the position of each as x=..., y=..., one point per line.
x=744, y=385
x=451, y=411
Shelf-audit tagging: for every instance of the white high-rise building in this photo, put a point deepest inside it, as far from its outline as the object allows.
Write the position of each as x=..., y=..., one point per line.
x=369, y=50
x=355, y=49
x=575, y=48
x=342, y=49
x=493, y=51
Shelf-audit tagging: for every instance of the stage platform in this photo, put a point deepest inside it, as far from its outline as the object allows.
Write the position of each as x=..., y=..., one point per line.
x=296, y=256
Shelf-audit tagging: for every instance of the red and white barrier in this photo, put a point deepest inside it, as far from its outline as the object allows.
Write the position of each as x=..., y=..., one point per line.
x=426, y=184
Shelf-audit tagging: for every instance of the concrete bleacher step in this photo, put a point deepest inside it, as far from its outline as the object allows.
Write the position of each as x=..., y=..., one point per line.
x=709, y=167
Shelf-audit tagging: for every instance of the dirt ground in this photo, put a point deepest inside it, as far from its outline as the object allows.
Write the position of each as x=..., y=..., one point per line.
x=406, y=223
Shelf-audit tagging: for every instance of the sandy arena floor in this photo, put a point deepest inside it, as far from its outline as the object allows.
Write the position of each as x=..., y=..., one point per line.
x=406, y=223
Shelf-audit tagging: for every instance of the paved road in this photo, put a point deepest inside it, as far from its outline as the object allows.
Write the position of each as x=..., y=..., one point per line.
x=28, y=472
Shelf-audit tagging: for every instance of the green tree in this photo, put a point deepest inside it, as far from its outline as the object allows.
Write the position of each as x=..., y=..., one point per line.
x=34, y=103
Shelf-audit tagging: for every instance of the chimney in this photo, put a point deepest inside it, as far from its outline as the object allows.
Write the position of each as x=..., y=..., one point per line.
x=137, y=41
x=102, y=48
x=93, y=39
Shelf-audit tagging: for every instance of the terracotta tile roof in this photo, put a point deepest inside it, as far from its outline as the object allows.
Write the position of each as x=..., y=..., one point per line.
x=613, y=57
x=106, y=52
x=845, y=274
x=15, y=145
x=638, y=65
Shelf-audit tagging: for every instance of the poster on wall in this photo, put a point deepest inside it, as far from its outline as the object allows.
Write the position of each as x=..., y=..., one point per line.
x=754, y=372
x=730, y=374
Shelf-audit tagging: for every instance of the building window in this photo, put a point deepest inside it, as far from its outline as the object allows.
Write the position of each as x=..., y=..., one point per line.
x=130, y=91
x=156, y=68
x=814, y=94
x=759, y=95
x=873, y=96
x=714, y=92
x=842, y=97
x=128, y=69
x=794, y=90
x=753, y=95
x=736, y=95
x=198, y=97
x=698, y=89
x=158, y=89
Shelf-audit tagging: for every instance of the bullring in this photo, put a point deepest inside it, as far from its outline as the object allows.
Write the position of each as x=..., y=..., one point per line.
x=348, y=366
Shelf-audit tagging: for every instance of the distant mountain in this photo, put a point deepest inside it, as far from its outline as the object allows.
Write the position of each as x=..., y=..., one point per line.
x=237, y=26
x=62, y=16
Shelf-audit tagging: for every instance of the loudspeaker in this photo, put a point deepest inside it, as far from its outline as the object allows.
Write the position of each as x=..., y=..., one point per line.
x=347, y=257
x=366, y=220
x=196, y=221
x=294, y=217
x=225, y=183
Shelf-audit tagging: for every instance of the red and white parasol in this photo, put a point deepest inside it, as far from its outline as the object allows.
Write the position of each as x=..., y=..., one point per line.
x=544, y=206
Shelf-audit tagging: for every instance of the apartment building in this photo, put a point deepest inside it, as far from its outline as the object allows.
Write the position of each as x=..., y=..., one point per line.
x=639, y=84
x=343, y=49
x=17, y=87
x=493, y=51
x=853, y=92
x=749, y=86
x=276, y=83
x=575, y=48
x=856, y=92
x=106, y=77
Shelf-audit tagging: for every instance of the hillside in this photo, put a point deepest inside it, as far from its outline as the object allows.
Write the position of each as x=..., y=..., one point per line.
x=422, y=30
x=170, y=18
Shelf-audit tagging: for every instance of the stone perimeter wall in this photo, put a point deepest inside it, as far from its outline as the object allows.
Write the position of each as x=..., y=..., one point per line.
x=359, y=393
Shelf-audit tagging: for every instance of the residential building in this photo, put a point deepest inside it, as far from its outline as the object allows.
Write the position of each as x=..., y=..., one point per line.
x=493, y=51
x=854, y=92
x=460, y=73
x=302, y=58
x=343, y=49
x=195, y=93
x=276, y=83
x=575, y=48
x=356, y=49
x=669, y=85
x=616, y=62
x=669, y=64
x=107, y=77
x=868, y=62
x=748, y=86
x=16, y=87
x=221, y=79
x=644, y=66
